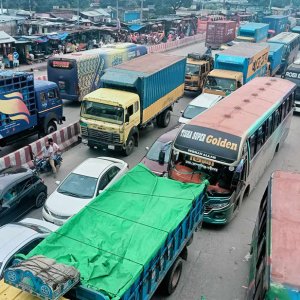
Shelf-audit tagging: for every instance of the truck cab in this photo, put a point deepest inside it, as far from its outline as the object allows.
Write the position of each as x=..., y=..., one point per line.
x=222, y=82
x=108, y=117
x=197, y=68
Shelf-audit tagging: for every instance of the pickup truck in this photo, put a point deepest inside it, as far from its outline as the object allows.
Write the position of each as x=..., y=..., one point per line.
x=27, y=107
x=133, y=95
x=124, y=244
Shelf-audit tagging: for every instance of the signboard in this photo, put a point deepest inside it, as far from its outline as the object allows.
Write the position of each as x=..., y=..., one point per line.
x=208, y=143
x=61, y=64
x=258, y=61
x=293, y=75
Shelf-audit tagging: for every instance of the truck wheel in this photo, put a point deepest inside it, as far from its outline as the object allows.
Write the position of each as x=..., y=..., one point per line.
x=164, y=118
x=129, y=146
x=40, y=199
x=51, y=127
x=171, y=280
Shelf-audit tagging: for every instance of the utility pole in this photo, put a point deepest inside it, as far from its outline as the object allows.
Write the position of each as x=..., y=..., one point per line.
x=30, y=8
x=117, y=10
x=2, y=7
x=142, y=7
x=78, y=14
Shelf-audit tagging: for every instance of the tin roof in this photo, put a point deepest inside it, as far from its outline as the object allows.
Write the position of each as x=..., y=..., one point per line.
x=285, y=228
x=150, y=63
x=5, y=38
x=238, y=112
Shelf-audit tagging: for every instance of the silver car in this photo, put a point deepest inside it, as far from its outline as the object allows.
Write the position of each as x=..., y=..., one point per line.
x=21, y=238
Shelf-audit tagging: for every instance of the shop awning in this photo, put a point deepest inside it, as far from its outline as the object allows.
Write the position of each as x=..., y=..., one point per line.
x=136, y=27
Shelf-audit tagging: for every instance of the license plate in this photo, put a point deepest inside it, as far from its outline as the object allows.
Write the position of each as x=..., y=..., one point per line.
x=111, y=147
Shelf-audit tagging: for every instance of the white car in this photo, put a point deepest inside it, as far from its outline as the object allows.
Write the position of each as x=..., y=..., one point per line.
x=21, y=238
x=81, y=186
x=198, y=106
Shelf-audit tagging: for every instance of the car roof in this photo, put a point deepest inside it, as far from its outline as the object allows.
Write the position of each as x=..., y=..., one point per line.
x=12, y=236
x=93, y=167
x=170, y=135
x=13, y=174
x=205, y=100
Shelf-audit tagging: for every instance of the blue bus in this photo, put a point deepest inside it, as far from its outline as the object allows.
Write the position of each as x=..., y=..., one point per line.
x=290, y=42
x=78, y=73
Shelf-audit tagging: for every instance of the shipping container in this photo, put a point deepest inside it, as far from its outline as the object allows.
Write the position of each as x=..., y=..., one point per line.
x=277, y=23
x=275, y=56
x=253, y=32
x=152, y=76
x=219, y=32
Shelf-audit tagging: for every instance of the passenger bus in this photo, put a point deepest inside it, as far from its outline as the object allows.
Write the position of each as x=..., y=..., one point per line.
x=232, y=143
x=290, y=41
x=275, y=252
x=78, y=73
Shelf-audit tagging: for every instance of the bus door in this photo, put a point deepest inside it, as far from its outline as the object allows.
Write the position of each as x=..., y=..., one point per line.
x=240, y=176
x=64, y=74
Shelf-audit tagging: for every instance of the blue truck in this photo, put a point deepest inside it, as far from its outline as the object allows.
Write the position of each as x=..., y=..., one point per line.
x=274, y=58
x=253, y=32
x=123, y=245
x=27, y=107
x=236, y=66
x=277, y=23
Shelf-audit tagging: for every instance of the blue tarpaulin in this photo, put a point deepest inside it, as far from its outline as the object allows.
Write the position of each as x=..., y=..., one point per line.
x=135, y=27
x=59, y=36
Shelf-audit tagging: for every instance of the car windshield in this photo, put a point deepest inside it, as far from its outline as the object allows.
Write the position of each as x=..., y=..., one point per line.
x=192, y=69
x=222, y=84
x=192, y=111
x=153, y=153
x=105, y=112
x=78, y=186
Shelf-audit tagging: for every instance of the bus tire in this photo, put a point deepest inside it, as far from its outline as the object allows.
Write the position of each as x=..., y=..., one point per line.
x=172, y=278
x=163, y=120
x=129, y=146
x=184, y=253
x=246, y=193
x=277, y=148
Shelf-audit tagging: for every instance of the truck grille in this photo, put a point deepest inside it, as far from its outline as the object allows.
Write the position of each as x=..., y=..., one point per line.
x=104, y=136
x=84, y=130
x=207, y=208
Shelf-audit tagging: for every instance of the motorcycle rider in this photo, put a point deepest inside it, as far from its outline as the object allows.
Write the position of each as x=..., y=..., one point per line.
x=48, y=155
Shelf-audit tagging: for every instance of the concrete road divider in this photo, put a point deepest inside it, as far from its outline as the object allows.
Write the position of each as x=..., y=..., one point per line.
x=66, y=138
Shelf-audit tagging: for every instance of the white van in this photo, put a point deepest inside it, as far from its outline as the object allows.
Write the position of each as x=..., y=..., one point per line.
x=198, y=106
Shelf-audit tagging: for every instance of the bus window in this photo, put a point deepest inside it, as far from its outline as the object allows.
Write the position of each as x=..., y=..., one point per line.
x=252, y=144
x=260, y=138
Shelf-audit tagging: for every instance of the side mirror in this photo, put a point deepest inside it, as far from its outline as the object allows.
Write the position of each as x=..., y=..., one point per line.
x=147, y=148
x=57, y=182
x=126, y=118
x=161, y=157
x=181, y=111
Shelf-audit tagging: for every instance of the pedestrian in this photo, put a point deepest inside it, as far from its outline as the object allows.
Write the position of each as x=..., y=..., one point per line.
x=11, y=60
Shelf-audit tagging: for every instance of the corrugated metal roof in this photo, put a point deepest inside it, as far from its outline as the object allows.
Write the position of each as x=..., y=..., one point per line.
x=150, y=63
x=5, y=38
x=96, y=13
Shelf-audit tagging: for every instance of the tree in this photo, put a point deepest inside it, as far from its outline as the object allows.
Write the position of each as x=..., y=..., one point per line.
x=176, y=4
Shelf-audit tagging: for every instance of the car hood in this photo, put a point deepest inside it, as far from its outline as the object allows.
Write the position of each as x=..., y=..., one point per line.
x=155, y=167
x=64, y=205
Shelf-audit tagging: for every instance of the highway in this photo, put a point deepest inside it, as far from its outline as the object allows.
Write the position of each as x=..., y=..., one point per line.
x=217, y=266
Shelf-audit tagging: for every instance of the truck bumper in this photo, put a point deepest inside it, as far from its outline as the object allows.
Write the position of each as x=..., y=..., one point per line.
x=101, y=144
x=218, y=216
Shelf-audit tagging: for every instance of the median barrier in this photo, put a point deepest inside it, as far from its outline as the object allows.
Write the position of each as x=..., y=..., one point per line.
x=66, y=138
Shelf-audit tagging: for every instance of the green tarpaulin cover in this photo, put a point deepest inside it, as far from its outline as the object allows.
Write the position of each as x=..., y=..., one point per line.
x=112, y=238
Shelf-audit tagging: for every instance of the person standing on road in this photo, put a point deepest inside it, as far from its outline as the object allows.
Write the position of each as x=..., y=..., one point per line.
x=11, y=60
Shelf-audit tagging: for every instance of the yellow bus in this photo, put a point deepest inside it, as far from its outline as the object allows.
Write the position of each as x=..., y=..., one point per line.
x=232, y=143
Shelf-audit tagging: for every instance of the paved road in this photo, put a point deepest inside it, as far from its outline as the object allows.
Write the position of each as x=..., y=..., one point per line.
x=216, y=267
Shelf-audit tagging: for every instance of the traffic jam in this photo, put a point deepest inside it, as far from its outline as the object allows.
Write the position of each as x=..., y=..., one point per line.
x=113, y=230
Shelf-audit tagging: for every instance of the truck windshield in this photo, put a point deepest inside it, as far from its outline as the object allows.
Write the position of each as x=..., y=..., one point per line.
x=105, y=112
x=192, y=111
x=222, y=84
x=192, y=69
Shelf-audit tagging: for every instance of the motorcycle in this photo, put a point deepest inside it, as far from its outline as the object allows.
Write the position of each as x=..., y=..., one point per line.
x=42, y=165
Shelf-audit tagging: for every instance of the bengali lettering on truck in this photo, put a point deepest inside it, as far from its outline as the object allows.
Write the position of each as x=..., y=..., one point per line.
x=208, y=143
x=258, y=61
